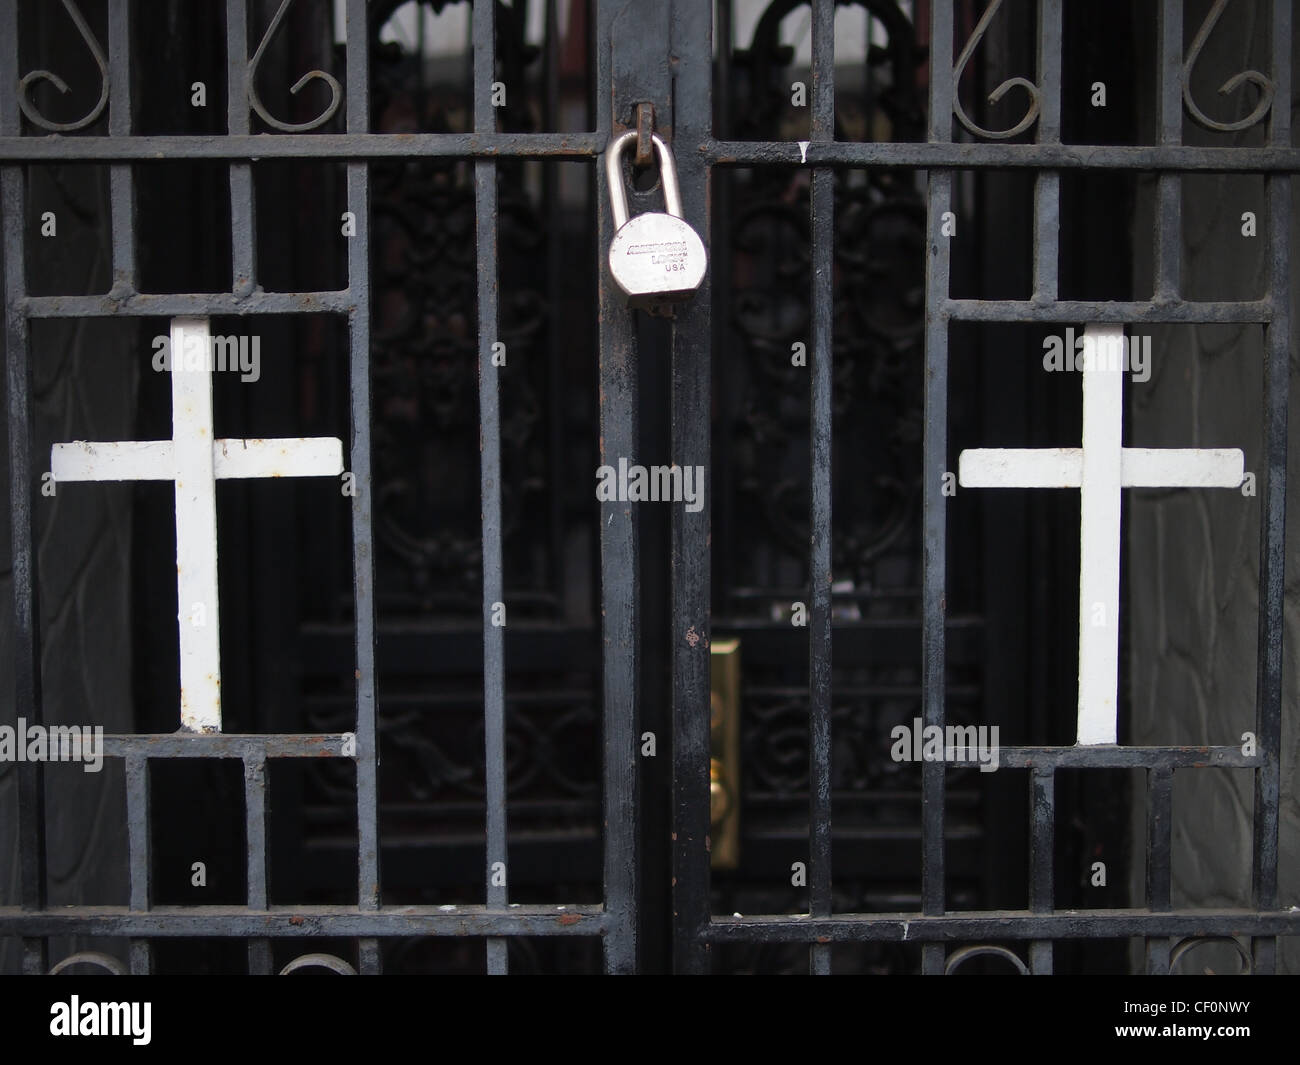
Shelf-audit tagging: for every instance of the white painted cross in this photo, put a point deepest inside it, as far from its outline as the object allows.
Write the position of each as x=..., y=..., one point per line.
x=1099, y=469
x=194, y=460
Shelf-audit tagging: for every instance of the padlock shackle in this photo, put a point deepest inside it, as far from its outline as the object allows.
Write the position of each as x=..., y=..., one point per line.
x=614, y=177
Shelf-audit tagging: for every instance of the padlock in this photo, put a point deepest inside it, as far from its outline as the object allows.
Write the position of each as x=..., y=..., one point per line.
x=655, y=258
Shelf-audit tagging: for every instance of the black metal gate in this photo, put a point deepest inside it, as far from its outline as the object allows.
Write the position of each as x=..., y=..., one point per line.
x=654, y=63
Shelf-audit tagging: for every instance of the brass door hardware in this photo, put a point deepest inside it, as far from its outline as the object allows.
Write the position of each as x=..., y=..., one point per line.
x=724, y=746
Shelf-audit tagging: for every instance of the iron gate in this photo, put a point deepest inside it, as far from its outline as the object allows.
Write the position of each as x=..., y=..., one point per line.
x=660, y=54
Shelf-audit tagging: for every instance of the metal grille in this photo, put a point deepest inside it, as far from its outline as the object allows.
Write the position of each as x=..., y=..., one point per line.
x=1167, y=932
x=625, y=74
x=260, y=922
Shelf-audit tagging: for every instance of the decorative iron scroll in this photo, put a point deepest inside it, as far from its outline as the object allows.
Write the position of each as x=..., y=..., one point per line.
x=1264, y=83
x=336, y=90
x=329, y=962
x=426, y=346
x=767, y=58
x=1035, y=94
x=90, y=957
x=959, y=957
x=774, y=741
x=29, y=108
x=1175, y=955
x=433, y=756
x=876, y=340
x=425, y=376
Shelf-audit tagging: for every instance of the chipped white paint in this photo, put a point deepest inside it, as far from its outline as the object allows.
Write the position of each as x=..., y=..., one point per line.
x=1100, y=468
x=1139, y=467
x=194, y=461
x=1099, y=549
x=154, y=460
x=803, y=151
x=196, y=535
x=1058, y=467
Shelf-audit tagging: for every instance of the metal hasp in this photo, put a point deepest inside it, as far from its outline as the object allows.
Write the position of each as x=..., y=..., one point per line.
x=656, y=258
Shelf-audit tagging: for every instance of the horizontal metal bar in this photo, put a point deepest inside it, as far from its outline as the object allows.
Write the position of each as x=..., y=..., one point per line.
x=305, y=921
x=984, y=156
x=1184, y=158
x=1005, y=924
x=591, y=921
x=179, y=304
x=227, y=745
x=1131, y=312
x=907, y=155
x=1106, y=757
x=258, y=146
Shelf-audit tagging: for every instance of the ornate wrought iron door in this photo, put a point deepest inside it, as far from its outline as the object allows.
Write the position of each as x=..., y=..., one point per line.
x=468, y=704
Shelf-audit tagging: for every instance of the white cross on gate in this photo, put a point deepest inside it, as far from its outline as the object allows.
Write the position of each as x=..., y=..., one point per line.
x=194, y=460
x=1099, y=469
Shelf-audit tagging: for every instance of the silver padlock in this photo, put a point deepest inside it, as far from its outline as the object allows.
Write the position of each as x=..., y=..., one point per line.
x=655, y=258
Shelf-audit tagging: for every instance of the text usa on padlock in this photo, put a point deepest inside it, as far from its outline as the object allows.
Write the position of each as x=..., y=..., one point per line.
x=655, y=258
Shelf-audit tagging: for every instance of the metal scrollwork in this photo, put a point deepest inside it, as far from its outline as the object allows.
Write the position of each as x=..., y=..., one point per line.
x=90, y=957
x=960, y=957
x=1175, y=955
x=878, y=308
x=29, y=108
x=336, y=90
x=330, y=962
x=1235, y=82
x=1035, y=95
x=767, y=58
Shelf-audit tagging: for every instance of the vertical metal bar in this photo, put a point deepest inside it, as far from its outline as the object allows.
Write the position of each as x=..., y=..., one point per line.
x=485, y=208
x=1042, y=826
x=819, y=473
x=1160, y=790
x=259, y=949
x=557, y=281
x=22, y=492
x=363, y=541
x=137, y=832
x=121, y=183
x=1272, y=552
x=869, y=93
x=692, y=361
x=934, y=463
x=550, y=65
x=1168, y=235
x=243, y=210
x=723, y=103
x=722, y=184
x=619, y=577
x=1047, y=184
